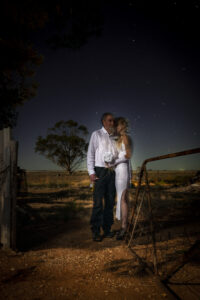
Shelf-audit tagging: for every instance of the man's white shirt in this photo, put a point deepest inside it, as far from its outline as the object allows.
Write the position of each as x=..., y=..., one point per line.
x=100, y=143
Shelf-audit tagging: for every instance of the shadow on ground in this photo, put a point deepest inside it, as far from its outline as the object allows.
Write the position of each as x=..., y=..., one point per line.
x=127, y=267
x=60, y=218
x=57, y=220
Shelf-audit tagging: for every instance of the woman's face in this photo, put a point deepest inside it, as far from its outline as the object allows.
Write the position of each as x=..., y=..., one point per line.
x=121, y=129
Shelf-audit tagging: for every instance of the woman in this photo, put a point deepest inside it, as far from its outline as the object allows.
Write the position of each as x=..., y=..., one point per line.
x=122, y=173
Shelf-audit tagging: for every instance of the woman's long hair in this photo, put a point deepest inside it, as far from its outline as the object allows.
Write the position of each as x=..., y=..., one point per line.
x=120, y=121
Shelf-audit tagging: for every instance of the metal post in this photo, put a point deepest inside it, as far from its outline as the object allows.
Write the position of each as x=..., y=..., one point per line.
x=151, y=224
x=136, y=200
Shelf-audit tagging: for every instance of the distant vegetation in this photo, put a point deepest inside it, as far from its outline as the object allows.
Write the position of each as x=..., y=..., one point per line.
x=61, y=179
x=65, y=145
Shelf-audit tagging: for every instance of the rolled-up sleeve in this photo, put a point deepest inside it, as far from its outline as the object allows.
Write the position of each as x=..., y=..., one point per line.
x=91, y=153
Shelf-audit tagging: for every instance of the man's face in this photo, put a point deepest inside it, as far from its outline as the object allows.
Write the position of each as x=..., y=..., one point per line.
x=108, y=123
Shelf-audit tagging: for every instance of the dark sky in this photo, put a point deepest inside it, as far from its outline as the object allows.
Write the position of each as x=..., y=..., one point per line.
x=143, y=67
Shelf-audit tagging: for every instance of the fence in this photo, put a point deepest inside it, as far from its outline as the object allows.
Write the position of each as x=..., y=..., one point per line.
x=164, y=229
x=8, y=186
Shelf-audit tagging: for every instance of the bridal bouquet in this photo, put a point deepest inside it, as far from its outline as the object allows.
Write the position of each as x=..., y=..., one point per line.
x=108, y=157
x=109, y=160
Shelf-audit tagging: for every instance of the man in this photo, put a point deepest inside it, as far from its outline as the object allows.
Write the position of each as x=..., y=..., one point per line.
x=101, y=153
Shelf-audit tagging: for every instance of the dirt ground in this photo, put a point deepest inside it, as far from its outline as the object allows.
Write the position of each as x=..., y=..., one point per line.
x=71, y=266
x=57, y=259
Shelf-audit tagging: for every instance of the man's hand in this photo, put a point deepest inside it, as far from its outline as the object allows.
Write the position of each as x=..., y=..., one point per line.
x=110, y=165
x=93, y=177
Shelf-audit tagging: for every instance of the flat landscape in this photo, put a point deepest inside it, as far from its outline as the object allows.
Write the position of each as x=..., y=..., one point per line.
x=57, y=259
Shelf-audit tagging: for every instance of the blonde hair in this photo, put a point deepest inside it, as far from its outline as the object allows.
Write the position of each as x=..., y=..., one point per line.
x=121, y=121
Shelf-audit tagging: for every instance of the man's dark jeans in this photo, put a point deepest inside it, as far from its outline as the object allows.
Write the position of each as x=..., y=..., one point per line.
x=104, y=188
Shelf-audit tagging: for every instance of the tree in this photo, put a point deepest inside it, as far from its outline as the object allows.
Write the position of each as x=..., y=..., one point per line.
x=18, y=58
x=65, y=144
x=68, y=24
x=17, y=64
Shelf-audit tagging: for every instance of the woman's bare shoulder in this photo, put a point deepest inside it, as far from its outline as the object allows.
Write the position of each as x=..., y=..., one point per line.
x=127, y=139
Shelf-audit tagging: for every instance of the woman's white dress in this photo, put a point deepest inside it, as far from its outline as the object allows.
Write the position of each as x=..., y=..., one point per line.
x=122, y=178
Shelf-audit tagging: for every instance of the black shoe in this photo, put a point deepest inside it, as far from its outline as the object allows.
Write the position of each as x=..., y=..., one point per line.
x=96, y=237
x=108, y=234
x=121, y=234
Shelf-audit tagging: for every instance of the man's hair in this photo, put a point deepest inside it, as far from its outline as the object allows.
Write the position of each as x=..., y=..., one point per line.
x=104, y=116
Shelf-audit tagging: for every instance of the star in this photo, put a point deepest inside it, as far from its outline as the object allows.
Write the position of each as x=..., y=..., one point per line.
x=183, y=69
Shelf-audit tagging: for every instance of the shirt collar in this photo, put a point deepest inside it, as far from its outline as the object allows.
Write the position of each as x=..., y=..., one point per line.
x=104, y=130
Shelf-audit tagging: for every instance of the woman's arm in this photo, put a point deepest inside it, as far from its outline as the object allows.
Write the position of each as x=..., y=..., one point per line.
x=128, y=146
x=120, y=160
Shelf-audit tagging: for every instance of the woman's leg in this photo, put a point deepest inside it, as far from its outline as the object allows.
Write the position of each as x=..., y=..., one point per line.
x=124, y=209
x=124, y=215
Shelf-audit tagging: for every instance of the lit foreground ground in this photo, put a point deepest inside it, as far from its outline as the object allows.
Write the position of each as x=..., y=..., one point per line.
x=56, y=258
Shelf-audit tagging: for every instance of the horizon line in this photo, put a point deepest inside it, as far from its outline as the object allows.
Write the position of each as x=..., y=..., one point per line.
x=181, y=170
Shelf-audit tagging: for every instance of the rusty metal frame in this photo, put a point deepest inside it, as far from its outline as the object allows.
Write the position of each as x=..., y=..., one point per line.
x=143, y=172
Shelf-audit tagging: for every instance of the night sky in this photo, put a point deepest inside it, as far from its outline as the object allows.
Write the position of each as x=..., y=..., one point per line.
x=144, y=67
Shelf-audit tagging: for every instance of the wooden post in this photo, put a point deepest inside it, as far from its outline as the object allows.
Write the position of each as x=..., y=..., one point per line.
x=6, y=192
x=1, y=177
x=8, y=189
x=14, y=155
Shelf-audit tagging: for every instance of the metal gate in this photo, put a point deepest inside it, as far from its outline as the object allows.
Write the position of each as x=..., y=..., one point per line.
x=164, y=230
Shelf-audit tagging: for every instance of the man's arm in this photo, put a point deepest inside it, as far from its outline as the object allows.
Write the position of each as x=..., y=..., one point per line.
x=91, y=156
x=121, y=160
x=117, y=161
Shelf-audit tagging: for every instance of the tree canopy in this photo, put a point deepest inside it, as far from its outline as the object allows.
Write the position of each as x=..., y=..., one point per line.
x=69, y=24
x=65, y=145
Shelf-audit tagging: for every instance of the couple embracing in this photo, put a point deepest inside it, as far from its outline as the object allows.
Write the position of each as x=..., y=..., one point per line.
x=109, y=168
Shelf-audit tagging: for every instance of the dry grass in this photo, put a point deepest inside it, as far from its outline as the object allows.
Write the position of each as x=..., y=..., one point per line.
x=59, y=259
